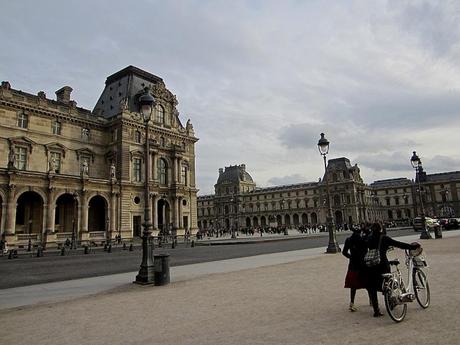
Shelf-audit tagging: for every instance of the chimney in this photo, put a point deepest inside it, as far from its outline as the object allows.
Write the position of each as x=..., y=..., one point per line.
x=41, y=95
x=6, y=85
x=221, y=171
x=243, y=167
x=63, y=94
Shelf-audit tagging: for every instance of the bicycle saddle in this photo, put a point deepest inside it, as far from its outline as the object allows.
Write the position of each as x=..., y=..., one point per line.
x=394, y=262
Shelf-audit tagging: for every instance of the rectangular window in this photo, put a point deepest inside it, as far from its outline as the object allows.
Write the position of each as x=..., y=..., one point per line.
x=137, y=137
x=85, y=134
x=56, y=160
x=56, y=127
x=21, y=158
x=183, y=174
x=23, y=120
x=137, y=169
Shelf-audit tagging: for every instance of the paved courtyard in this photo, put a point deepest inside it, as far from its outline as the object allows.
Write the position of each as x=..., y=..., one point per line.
x=301, y=302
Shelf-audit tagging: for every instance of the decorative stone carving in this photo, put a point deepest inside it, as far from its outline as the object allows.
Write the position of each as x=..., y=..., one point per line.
x=113, y=172
x=11, y=159
x=85, y=168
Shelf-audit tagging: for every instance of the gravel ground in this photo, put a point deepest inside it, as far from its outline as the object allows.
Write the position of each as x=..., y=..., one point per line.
x=297, y=303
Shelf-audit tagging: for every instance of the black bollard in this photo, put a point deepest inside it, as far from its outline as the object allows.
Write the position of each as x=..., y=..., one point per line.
x=192, y=244
x=105, y=247
x=39, y=252
x=15, y=254
x=10, y=255
x=85, y=249
x=29, y=245
x=109, y=248
x=63, y=251
x=161, y=275
x=131, y=247
x=124, y=246
x=173, y=244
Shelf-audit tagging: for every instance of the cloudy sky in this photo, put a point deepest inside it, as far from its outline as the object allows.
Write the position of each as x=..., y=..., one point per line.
x=260, y=80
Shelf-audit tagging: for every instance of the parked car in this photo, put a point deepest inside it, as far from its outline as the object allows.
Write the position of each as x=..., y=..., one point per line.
x=431, y=224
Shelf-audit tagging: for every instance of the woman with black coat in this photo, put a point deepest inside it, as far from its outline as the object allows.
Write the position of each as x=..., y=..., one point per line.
x=374, y=274
x=354, y=249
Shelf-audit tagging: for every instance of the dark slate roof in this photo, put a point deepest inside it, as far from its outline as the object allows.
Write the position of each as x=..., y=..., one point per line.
x=392, y=182
x=340, y=163
x=235, y=174
x=446, y=176
x=123, y=86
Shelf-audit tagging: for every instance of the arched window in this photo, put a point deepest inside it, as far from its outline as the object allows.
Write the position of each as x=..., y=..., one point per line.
x=160, y=114
x=162, y=171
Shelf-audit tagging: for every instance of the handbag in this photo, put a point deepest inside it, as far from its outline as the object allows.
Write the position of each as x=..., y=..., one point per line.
x=372, y=257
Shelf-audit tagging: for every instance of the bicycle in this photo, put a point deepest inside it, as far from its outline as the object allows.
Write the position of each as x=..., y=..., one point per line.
x=395, y=293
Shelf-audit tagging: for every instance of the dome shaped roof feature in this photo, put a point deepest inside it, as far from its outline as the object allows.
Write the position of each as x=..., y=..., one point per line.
x=234, y=174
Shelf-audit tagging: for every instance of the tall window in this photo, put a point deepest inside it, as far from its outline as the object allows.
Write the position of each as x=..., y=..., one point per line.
x=137, y=169
x=85, y=134
x=137, y=137
x=21, y=158
x=56, y=159
x=23, y=120
x=160, y=114
x=183, y=174
x=56, y=127
x=162, y=171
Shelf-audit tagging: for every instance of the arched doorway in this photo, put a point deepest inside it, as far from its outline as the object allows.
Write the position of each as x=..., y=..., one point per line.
x=296, y=219
x=255, y=221
x=287, y=220
x=163, y=215
x=338, y=218
x=314, y=218
x=278, y=220
x=29, y=213
x=66, y=214
x=304, y=219
x=227, y=223
x=97, y=214
x=248, y=222
x=263, y=221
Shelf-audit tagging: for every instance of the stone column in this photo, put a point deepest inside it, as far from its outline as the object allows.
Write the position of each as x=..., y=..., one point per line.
x=175, y=170
x=154, y=212
x=113, y=214
x=50, y=212
x=84, y=212
x=179, y=213
x=10, y=228
x=153, y=175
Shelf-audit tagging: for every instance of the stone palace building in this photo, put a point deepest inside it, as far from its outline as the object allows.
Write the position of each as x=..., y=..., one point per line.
x=239, y=203
x=69, y=172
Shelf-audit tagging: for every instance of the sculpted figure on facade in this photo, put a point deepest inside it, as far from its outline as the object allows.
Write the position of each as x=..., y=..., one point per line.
x=52, y=165
x=113, y=171
x=85, y=168
x=11, y=159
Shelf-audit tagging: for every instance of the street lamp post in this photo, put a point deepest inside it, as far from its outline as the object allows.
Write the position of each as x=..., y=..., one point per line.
x=417, y=165
x=146, y=271
x=333, y=246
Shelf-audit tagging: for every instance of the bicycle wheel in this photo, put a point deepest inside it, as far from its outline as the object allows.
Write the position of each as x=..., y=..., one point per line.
x=395, y=309
x=421, y=288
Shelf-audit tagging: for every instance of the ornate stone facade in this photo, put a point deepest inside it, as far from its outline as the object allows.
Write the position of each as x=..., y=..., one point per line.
x=238, y=203
x=66, y=171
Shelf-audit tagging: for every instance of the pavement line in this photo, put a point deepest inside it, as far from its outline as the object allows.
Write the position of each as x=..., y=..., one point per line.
x=70, y=289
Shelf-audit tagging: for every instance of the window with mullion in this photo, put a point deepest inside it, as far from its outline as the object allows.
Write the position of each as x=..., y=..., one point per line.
x=21, y=157
x=23, y=120
x=56, y=127
x=162, y=171
x=137, y=166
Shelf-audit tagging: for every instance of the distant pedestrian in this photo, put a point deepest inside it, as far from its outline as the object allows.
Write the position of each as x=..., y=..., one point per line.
x=354, y=249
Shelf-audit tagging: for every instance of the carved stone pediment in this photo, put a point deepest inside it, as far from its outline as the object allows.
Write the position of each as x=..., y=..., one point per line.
x=24, y=141
x=85, y=152
x=55, y=146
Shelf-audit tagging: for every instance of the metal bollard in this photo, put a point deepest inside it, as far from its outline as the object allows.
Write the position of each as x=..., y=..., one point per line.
x=63, y=251
x=10, y=255
x=85, y=249
x=131, y=247
x=109, y=248
x=173, y=244
x=105, y=247
x=124, y=246
x=192, y=244
x=39, y=252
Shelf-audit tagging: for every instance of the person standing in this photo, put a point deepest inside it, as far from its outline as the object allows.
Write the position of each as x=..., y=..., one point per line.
x=354, y=249
x=378, y=239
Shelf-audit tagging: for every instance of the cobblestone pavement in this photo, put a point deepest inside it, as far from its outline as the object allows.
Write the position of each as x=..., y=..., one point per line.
x=301, y=302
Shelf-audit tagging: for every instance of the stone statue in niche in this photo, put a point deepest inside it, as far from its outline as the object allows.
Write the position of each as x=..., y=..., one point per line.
x=52, y=165
x=11, y=159
x=85, y=168
x=113, y=172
